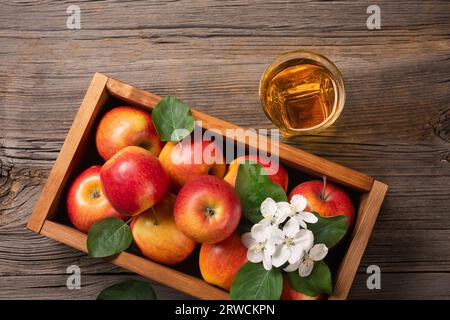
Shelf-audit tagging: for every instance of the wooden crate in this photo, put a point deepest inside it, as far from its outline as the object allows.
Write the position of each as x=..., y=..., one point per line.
x=50, y=206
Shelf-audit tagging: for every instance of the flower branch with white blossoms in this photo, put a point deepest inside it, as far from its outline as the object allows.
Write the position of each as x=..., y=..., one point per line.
x=284, y=238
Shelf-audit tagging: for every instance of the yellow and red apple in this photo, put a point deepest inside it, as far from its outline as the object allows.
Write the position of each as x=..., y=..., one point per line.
x=186, y=160
x=126, y=126
x=280, y=177
x=134, y=180
x=289, y=293
x=86, y=202
x=219, y=262
x=207, y=209
x=326, y=199
x=156, y=235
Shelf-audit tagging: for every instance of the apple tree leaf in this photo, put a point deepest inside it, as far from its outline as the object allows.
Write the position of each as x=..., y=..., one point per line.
x=253, y=282
x=329, y=230
x=253, y=187
x=128, y=290
x=172, y=119
x=244, y=226
x=318, y=282
x=108, y=237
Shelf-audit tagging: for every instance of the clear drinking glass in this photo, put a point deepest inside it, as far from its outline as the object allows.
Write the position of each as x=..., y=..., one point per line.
x=302, y=92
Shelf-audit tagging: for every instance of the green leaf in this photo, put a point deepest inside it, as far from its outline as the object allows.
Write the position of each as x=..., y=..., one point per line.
x=244, y=226
x=254, y=187
x=108, y=237
x=329, y=230
x=253, y=282
x=318, y=282
x=172, y=119
x=128, y=290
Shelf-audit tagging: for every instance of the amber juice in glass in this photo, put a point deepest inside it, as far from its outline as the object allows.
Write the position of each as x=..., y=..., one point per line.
x=302, y=92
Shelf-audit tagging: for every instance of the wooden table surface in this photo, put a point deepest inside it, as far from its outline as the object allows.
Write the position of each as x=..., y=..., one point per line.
x=395, y=125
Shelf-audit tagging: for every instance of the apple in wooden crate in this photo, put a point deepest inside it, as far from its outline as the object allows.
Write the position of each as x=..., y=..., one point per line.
x=134, y=180
x=126, y=126
x=186, y=160
x=207, y=209
x=219, y=262
x=280, y=177
x=326, y=199
x=156, y=235
x=86, y=203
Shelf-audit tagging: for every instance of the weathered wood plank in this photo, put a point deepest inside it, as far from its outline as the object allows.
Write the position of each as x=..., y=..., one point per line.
x=393, y=286
x=54, y=287
x=415, y=286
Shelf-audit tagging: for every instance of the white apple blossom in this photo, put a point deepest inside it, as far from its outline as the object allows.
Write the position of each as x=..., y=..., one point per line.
x=298, y=205
x=306, y=263
x=273, y=212
x=292, y=242
x=261, y=244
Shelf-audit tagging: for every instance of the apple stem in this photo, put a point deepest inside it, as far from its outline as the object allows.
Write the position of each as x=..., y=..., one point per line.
x=129, y=220
x=155, y=219
x=324, y=197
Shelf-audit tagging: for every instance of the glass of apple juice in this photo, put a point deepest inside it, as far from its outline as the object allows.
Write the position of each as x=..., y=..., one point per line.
x=302, y=92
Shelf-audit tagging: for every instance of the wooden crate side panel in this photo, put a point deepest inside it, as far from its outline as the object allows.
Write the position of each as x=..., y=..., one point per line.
x=294, y=157
x=70, y=153
x=367, y=215
x=146, y=268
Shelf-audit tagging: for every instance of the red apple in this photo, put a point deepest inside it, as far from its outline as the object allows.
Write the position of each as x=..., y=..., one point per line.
x=219, y=262
x=280, y=177
x=126, y=126
x=186, y=160
x=290, y=294
x=155, y=234
x=207, y=209
x=86, y=202
x=134, y=180
x=326, y=199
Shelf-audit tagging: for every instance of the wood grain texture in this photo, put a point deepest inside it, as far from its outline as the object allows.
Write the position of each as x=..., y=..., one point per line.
x=395, y=125
x=71, y=152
